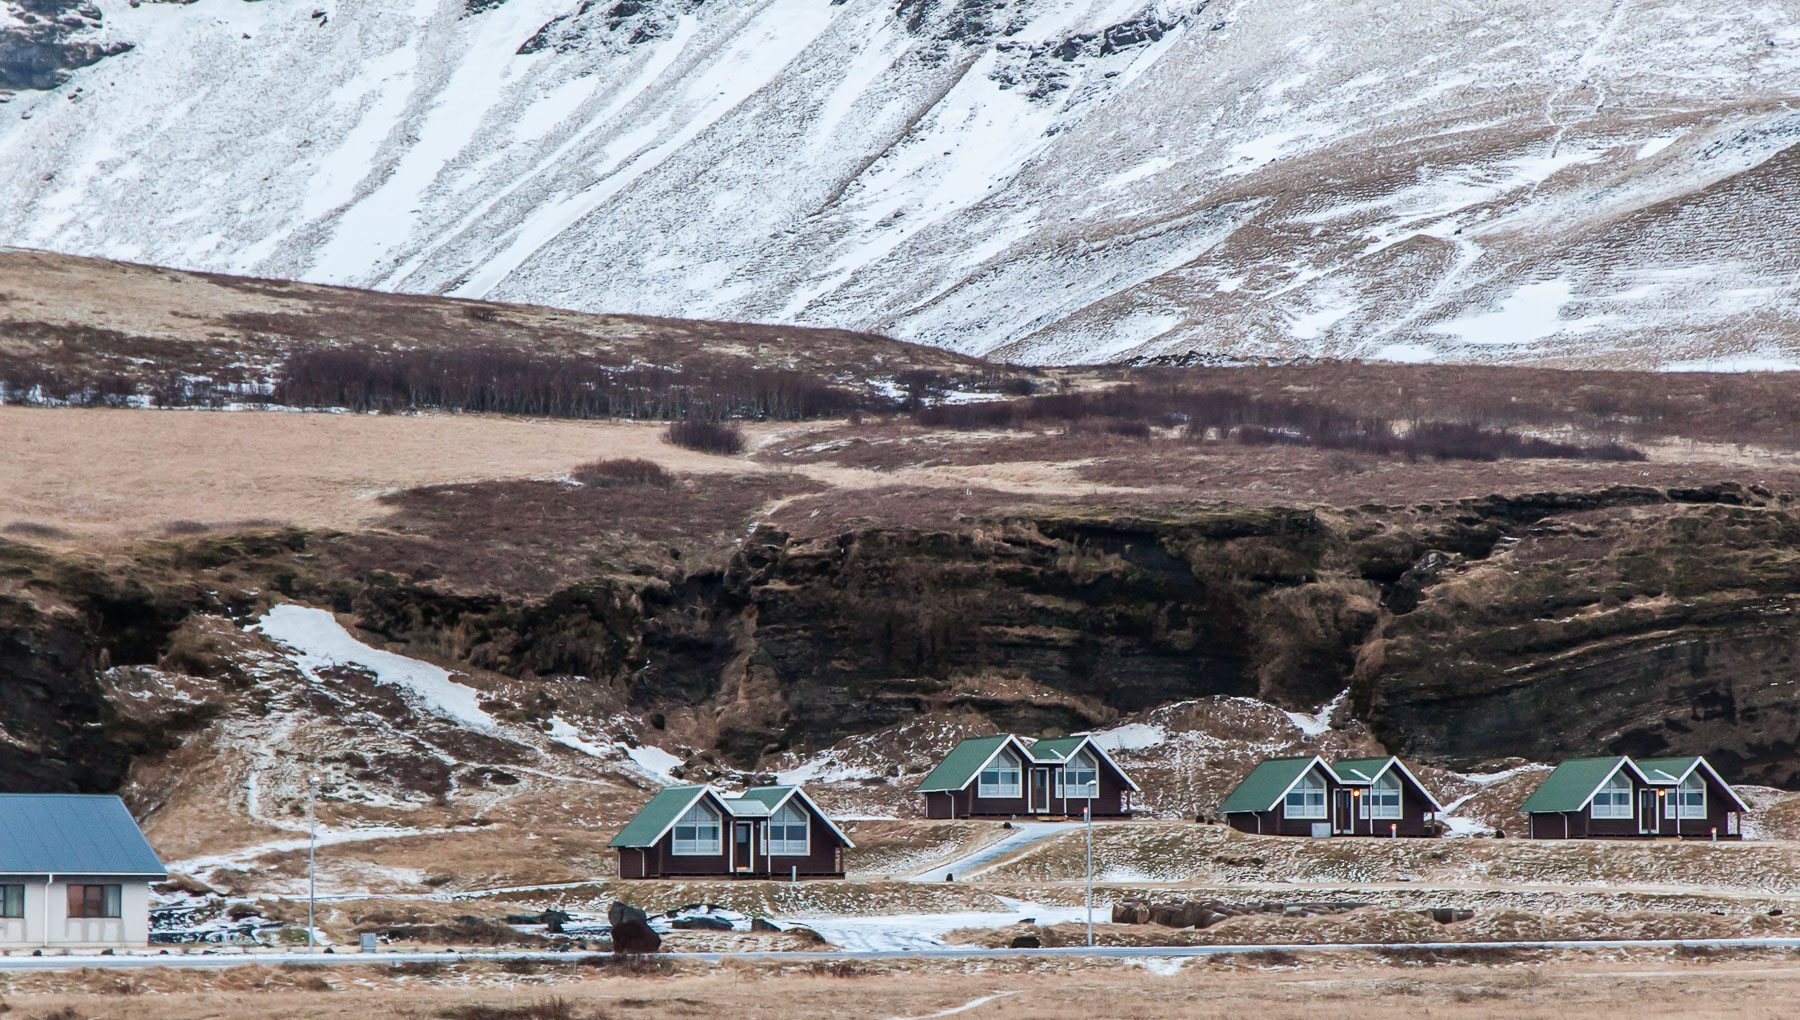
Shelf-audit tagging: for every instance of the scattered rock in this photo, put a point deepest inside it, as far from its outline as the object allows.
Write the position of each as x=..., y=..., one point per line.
x=635, y=936
x=702, y=923
x=758, y=924
x=553, y=921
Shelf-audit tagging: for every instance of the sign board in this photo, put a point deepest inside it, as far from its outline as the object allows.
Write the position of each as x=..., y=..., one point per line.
x=368, y=942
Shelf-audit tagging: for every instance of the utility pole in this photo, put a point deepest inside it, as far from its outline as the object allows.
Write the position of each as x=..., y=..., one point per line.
x=1087, y=816
x=312, y=844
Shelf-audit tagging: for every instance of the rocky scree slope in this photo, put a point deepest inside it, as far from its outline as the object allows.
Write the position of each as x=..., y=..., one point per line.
x=1587, y=182
x=1638, y=620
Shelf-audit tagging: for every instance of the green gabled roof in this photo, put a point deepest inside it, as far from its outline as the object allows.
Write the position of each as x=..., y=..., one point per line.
x=654, y=818
x=1056, y=749
x=1368, y=767
x=1266, y=784
x=961, y=764
x=1572, y=784
x=768, y=796
x=1675, y=768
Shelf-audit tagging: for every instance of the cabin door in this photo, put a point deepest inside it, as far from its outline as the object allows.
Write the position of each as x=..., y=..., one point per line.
x=1040, y=791
x=743, y=849
x=1343, y=813
x=1648, y=816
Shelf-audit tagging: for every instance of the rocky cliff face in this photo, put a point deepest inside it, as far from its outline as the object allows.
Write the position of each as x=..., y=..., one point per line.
x=1635, y=620
x=43, y=42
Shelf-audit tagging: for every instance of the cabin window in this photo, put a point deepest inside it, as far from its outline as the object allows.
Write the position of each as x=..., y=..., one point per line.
x=1614, y=799
x=1079, y=778
x=1001, y=777
x=787, y=832
x=1307, y=798
x=94, y=901
x=1691, y=797
x=1383, y=798
x=12, y=901
x=697, y=833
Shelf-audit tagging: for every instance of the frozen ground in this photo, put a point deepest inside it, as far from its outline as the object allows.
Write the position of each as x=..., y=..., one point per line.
x=1025, y=834
x=1045, y=180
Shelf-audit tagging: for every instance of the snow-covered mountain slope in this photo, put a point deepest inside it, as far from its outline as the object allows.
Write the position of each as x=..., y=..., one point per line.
x=1594, y=181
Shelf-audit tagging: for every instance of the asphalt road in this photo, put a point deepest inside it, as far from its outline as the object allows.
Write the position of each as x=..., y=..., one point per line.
x=226, y=959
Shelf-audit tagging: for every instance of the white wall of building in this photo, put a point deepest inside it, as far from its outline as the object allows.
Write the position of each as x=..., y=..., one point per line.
x=130, y=928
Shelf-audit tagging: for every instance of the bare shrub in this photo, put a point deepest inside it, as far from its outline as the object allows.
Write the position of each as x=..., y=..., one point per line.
x=1259, y=421
x=504, y=381
x=623, y=471
x=186, y=528
x=554, y=1008
x=32, y=529
x=706, y=437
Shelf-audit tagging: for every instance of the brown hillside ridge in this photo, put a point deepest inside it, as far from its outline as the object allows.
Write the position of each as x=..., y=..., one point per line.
x=95, y=331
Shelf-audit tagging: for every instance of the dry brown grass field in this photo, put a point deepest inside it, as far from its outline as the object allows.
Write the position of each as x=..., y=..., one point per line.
x=1494, y=984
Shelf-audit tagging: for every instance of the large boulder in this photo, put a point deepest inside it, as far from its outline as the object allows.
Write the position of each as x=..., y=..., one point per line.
x=619, y=913
x=635, y=936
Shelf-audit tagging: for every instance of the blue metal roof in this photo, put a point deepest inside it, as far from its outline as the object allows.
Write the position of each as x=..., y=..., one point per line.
x=72, y=834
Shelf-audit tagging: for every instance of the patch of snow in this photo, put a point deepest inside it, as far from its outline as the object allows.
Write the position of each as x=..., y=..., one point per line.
x=1654, y=146
x=1734, y=363
x=654, y=760
x=1025, y=834
x=1320, y=722
x=1531, y=314
x=1406, y=353
x=964, y=1008
x=1131, y=737
x=319, y=642
x=1161, y=966
x=926, y=931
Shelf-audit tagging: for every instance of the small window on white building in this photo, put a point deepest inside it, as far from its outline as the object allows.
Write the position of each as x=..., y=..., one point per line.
x=94, y=901
x=12, y=901
x=1001, y=777
x=697, y=833
x=1382, y=800
x=1614, y=799
x=1080, y=778
x=1307, y=798
x=787, y=832
x=1691, y=797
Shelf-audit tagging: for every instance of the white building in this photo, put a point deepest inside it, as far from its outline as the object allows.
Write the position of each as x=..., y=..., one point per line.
x=75, y=871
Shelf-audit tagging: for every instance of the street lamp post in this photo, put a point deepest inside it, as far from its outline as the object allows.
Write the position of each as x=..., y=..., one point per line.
x=312, y=843
x=1087, y=817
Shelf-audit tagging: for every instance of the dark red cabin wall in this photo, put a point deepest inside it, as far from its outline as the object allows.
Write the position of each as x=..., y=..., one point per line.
x=823, y=859
x=940, y=805
x=668, y=863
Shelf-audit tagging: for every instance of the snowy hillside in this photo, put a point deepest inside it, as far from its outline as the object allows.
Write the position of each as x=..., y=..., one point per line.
x=1593, y=181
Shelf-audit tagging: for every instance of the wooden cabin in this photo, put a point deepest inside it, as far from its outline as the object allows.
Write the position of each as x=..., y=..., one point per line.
x=1621, y=798
x=1306, y=796
x=767, y=832
x=1005, y=776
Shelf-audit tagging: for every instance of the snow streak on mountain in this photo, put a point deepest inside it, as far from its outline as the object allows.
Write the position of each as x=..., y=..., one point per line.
x=1585, y=181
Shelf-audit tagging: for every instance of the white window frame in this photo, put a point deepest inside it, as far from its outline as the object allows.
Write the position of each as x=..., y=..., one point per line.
x=786, y=817
x=1690, y=796
x=1613, y=800
x=1383, y=800
x=1082, y=763
x=699, y=818
x=1306, y=799
x=1003, y=765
